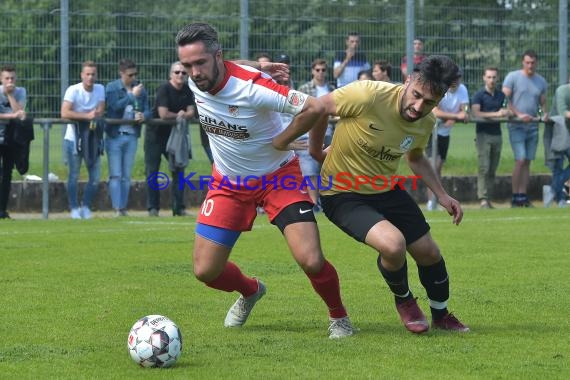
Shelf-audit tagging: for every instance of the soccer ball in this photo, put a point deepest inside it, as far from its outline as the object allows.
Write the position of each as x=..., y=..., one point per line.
x=155, y=341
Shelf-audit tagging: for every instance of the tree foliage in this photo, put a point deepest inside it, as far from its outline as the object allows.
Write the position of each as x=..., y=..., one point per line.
x=475, y=35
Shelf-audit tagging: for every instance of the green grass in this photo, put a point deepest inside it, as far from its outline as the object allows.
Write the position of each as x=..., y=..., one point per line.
x=462, y=156
x=71, y=291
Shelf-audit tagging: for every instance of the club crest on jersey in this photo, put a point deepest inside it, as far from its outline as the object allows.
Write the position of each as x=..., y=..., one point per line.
x=295, y=99
x=234, y=110
x=406, y=143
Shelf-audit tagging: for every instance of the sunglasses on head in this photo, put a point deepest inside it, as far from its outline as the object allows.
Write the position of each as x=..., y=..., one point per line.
x=178, y=72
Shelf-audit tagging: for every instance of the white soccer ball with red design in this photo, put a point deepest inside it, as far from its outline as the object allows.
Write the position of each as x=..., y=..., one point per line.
x=155, y=341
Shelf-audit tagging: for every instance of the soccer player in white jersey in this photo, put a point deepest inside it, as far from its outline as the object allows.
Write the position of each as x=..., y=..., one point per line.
x=238, y=107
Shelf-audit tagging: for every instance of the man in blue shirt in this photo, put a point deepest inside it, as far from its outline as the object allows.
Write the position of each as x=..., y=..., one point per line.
x=348, y=63
x=489, y=103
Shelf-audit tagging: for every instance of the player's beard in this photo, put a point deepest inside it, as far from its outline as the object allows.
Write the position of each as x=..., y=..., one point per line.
x=209, y=84
x=404, y=111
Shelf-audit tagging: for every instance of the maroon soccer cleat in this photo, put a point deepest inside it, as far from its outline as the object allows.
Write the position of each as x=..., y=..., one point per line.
x=449, y=323
x=412, y=317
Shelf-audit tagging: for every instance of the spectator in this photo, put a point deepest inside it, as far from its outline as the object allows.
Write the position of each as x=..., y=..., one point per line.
x=452, y=107
x=205, y=142
x=382, y=70
x=348, y=63
x=364, y=75
x=230, y=95
x=174, y=101
x=527, y=93
x=555, y=157
x=379, y=124
x=127, y=99
x=317, y=86
x=489, y=103
x=263, y=57
x=418, y=57
x=12, y=113
x=84, y=103
x=283, y=58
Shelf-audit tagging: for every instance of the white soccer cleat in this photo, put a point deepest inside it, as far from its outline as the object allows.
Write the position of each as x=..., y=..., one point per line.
x=341, y=328
x=238, y=313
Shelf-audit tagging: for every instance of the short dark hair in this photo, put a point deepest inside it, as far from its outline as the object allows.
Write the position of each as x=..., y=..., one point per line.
x=8, y=68
x=199, y=32
x=530, y=53
x=438, y=72
x=318, y=61
x=384, y=66
x=263, y=55
x=125, y=64
x=490, y=68
x=364, y=72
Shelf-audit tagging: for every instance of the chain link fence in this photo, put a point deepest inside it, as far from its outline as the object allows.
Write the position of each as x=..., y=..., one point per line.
x=473, y=36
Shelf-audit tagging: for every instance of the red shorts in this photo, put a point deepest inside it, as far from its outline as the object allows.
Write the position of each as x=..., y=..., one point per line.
x=234, y=207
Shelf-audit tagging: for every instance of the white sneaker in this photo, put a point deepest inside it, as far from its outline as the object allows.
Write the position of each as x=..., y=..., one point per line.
x=431, y=205
x=547, y=195
x=340, y=328
x=75, y=213
x=86, y=213
x=562, y=204
x=238, y=313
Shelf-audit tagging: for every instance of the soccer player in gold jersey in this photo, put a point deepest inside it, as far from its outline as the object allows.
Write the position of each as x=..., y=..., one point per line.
x=379, y=124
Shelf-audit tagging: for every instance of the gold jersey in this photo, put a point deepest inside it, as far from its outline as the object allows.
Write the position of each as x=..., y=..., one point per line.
x=370, y=138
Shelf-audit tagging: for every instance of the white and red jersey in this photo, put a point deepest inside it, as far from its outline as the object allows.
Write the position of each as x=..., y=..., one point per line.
x=241, y=118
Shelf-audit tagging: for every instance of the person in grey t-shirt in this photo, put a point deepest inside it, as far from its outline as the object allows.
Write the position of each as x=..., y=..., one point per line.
x=527, y=93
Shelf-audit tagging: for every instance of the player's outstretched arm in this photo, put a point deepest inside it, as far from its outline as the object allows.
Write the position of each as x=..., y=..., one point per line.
x=278, y=71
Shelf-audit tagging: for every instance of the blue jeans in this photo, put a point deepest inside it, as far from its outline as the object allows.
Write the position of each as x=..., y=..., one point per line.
x=524, y=141
x=560, y=175
x=121, y=151
x=74, y=160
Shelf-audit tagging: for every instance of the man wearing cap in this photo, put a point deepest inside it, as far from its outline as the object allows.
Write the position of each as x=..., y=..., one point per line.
x=284, y=58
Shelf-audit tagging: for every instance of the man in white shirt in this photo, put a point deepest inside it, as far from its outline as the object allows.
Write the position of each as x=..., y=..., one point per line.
x=453, y=107
x=83, y=102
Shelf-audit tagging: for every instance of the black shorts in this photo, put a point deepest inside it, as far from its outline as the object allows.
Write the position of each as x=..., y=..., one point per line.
x=356, y=213
x=442, y=147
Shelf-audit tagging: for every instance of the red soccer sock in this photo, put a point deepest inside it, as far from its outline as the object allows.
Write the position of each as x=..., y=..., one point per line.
x=232, y=279
x=326, y=284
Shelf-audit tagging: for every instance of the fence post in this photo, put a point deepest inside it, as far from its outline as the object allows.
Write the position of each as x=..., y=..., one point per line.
x=46, y=126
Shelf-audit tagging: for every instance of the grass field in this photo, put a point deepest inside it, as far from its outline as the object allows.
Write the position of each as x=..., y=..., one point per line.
x=462, y=156
x=71, y=291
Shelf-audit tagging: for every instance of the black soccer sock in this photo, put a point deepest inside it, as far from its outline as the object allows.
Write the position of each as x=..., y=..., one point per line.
x=435, y=280
x=397, y=281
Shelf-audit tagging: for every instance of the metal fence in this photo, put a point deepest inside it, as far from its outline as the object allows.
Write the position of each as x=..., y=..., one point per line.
x=304, y=29
x=48, y=42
